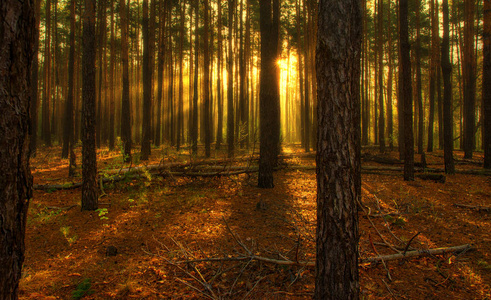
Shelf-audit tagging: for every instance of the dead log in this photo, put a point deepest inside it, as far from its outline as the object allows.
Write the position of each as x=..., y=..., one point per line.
x=435, y=177
x=478, y=207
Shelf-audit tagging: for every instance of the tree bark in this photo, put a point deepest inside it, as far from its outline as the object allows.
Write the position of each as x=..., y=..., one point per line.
x=469, y=67
x=447, y=94
x=89, y=159
x=230, y=83
x=338, y=167
x=147, y=85
x=486, y=84
x=419, y=90
x=406, y=90
x=207, y=80
x=219, y=80
x=381, y=119
x=125, y=100
x=435, y=39
x=17, y=41
x=46, y=130
x=34, y=86
x=269, y=93
x=68, y=134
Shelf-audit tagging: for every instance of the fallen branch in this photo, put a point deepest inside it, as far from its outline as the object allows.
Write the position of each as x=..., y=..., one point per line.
x=416, y=253
x=478, y=207
x=375, y=259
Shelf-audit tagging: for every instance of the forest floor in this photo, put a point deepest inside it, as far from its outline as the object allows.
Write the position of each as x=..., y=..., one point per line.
x=131, y=246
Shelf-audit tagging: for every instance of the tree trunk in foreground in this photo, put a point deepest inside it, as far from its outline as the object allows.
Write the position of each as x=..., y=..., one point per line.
x=338, y=167
x=125, y=101
x=89, y=159
x=406, y=90
x=269, y=94
x=447, y=95
x=17, y=42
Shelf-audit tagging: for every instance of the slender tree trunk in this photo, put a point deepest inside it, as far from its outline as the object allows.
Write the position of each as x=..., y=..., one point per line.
x=406, y=90
x=112, y=102
x=207, y=80
x=18, y=28
x=419, y=95
x=101, y=54
x=390, y=120
x=433, y=67
x=486, y=83
x=68, y=116
x=46, y=134
x=34, y=85
x=219, y=80
x=338, y=156
x=125, y=100
x=195, y=93
x=160, y=71
x=469, y=80
x=306, y=82
x=180, y=105
x=447, y=94
x=147, y=85
x=381, y=119
x=230, y=89
x=89, y=159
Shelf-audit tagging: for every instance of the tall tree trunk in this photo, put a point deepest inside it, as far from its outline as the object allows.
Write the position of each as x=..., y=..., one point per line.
x=68, y=116
x=486, y=83
x=112, y=86
x=447, y=94
x=219, y=80
x=125, y=100
x=269, y=92
x=195, y=93
x=34, y=85
x=207, y=80
x=433, y=66
x=89, y=159
x=381, y=119
x=390, y=121
x=230, y=84
x=18, y=28
x=406, y=90
x=180, y=105
x=46, y=134
x=338, y=156
x=419, y=95
x=102, y=55
x=469, y=66
x=306, y=112
x=147, y=84
x=160, y=70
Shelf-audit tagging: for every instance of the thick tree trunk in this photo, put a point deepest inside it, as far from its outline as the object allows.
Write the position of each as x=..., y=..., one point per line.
x=338, y=167
x=447, y=95
x=269, y=93
x=89, y=159
x=18, y=28
x=125, y=100
x=406, y=90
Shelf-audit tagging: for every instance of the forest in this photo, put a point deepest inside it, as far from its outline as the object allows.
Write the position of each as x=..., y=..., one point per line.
x=245, y=149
